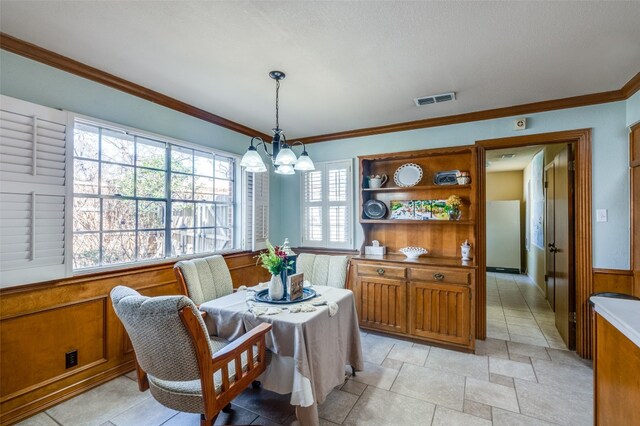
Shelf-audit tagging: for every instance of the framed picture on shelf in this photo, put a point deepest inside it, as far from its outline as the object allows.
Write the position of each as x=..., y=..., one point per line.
x=422, y=209
x=403, y=210
x=439, y=210
x=295, y=286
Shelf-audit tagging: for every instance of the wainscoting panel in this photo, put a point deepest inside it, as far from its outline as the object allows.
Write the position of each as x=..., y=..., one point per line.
x=40, y=323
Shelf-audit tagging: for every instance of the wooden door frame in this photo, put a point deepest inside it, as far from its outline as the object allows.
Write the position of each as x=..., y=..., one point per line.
x=581, y=140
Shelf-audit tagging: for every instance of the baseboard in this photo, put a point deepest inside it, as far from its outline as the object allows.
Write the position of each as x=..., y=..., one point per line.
x=503, y=270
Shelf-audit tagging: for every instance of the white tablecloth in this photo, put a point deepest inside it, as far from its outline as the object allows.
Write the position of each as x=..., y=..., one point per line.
x=310, y=349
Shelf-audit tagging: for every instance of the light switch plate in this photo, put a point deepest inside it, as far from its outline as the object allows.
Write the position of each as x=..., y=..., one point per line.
x=601, y=215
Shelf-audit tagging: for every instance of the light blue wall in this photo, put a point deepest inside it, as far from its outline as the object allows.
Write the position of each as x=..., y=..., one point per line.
x=610, y=167
x=633, y=109
x=34, y=82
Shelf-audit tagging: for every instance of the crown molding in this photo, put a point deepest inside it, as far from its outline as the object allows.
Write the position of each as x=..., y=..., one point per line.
x=64, y=63
x=47, y=57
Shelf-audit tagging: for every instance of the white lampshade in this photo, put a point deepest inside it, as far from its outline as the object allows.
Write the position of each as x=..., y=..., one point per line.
x=285, y=157
x=256, y=169
x=304, y=163
x=252, y=159
x=286, y=169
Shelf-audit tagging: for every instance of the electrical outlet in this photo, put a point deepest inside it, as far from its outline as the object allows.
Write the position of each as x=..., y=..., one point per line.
x=520, y=124
x=71, y=359
x=601, y=215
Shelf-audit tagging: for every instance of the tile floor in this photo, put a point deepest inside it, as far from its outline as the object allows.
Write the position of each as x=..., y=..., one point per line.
x=517, y=311
x=519, y=378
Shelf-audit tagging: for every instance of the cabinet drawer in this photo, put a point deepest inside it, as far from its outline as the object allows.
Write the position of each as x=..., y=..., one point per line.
x=448, y=276
x=382, y=271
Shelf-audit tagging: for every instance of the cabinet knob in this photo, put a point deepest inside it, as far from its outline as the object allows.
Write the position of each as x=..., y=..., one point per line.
x=380, y=271
x=438, y=276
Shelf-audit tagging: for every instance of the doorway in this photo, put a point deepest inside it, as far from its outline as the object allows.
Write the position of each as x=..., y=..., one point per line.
x=582, y=239
x=529, y=245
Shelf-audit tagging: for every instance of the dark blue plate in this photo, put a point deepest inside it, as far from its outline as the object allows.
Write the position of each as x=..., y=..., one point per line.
x=263, y=296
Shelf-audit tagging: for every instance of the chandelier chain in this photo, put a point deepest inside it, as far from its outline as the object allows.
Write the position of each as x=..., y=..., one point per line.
x=277, y=108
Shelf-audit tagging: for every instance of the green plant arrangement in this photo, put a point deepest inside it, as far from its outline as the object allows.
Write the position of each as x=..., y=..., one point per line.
x=274, y=260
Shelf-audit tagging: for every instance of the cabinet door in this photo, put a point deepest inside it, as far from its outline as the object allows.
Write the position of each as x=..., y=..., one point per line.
x=440, y=311
x=381, y=304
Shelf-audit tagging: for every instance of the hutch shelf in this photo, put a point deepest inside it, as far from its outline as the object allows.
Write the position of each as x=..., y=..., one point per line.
x=431, y=298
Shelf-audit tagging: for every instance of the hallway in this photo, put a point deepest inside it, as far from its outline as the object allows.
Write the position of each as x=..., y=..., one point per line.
x=517, y=311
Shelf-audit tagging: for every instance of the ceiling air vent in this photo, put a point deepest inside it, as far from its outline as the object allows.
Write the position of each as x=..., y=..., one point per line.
x=434, y=99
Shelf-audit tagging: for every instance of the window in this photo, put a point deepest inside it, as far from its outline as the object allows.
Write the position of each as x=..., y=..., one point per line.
x=140, y=198
x=326, y=196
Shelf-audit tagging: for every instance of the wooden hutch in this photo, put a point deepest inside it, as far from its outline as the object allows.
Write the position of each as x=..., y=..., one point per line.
x=432, y=298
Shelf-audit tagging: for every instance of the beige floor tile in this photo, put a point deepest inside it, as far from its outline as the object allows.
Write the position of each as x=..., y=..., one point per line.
x=501, y=380
x=567, y=357
x=392, y=363
x=491, y=394
x=132, y=375
x=566, y=376
x=477, y=409
x=337, y=405
x=507, y=418
x=184, y=419
x=520, y=358
x=100, y=404
x=375, y=375
x=409, y=354
x=518, y=313
x=459, y=363
x=375, y=349
x=553, y=404
x=149, y=411
x=263, y=421
x=510, y=368
x=265, y=404
x=530, y=322
x=557, y=344
x=353, y=387
x=447, y=417
x=378, y=407
x=532, y=351
x=40, y=419
x=503, y=335
x=524, y=330
x=492, y=347
x=536, y=341
x=438, y=387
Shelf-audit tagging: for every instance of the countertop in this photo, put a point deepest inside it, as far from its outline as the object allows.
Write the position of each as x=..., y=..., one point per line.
x=422, y=260
x=622, y=314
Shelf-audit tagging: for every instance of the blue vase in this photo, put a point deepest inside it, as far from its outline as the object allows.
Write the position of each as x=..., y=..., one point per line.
x=283, y=275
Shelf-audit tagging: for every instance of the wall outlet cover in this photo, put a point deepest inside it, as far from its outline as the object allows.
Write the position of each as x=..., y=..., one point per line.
x=601, y=215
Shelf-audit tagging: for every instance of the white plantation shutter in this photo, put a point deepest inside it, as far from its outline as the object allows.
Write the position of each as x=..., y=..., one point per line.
x=327, y=205
x=257, y=223
x=33, y=177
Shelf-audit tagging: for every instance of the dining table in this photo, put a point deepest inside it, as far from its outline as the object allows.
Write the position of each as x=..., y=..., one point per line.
x=310, y=350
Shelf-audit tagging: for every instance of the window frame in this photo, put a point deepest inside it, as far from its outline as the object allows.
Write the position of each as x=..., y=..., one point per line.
x=238, y=188
x=325, y=204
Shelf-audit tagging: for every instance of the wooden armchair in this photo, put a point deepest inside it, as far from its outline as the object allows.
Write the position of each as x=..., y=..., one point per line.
x=185, y=369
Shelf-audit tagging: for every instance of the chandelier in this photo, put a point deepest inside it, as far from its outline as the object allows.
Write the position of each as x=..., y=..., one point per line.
x=282, y=156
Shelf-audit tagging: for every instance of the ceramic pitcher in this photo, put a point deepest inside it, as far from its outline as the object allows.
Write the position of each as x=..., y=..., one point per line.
x=377, y=181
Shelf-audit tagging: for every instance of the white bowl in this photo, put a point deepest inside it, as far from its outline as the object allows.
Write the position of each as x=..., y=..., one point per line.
x=413, y=253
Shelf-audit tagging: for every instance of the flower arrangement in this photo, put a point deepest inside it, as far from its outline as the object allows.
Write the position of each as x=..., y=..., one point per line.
x=274, y=259
x=453, y=204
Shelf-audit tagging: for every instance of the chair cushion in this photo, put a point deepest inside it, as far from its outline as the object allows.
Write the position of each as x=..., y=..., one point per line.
x=187, y=395
x=207, y=278
x=324, y=270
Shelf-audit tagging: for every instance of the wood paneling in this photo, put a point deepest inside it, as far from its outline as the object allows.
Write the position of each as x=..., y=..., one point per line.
x=440, y=312
x=40, y=322
x=581, y=139
x=47, y=57
x=616, y=378
x=613, y=280
x=634, y=162
x=381, y=303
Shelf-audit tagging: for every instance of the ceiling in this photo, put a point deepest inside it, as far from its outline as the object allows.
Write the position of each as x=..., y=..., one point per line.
x=349, y=65
x=523, y=156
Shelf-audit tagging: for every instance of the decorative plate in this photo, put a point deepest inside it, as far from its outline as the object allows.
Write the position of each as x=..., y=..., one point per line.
x=263, y=296
x=374, y=209
x=413, y=253
x=446, y=178
x=408, y=175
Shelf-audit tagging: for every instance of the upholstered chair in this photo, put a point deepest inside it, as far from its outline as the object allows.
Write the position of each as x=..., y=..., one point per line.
x=323, y=270
x=184, y=368
x=204, y=279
